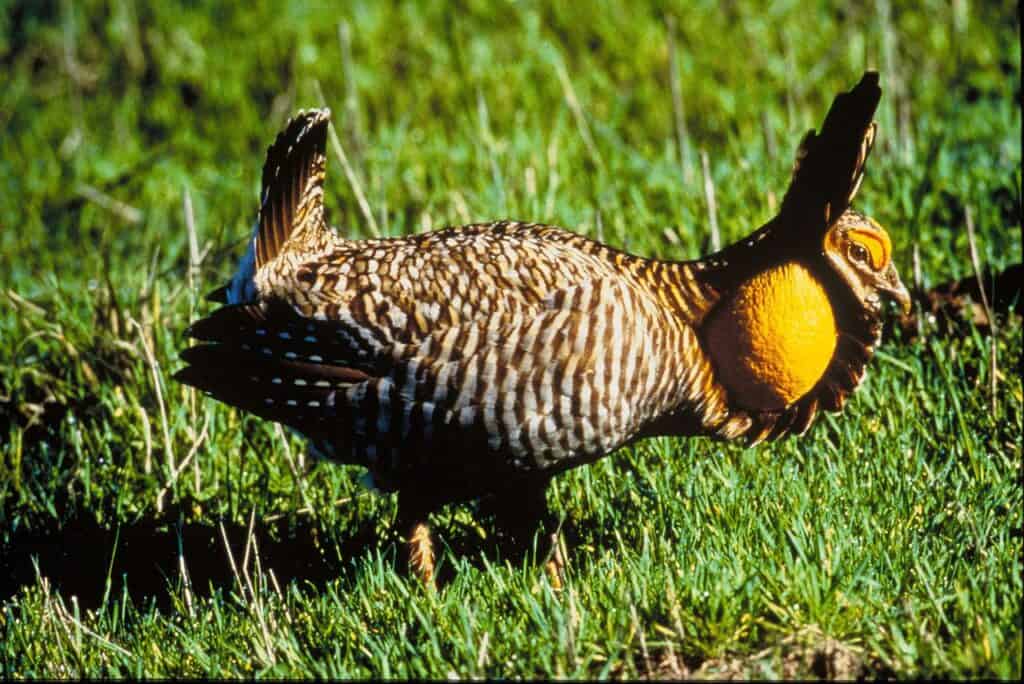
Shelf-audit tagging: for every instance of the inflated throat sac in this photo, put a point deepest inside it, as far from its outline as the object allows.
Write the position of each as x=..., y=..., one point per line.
x=773, y=339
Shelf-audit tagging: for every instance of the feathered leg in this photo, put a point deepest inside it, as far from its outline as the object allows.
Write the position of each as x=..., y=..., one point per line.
x=415, y=529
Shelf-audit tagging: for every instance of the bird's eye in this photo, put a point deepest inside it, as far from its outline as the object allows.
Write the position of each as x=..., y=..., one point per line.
x=858, y=253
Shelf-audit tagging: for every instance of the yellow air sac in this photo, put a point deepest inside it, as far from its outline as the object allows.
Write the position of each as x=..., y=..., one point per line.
x=774, y=339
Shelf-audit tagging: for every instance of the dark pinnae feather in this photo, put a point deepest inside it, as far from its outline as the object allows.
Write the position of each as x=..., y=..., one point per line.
x=826, y=174
x=830, y=163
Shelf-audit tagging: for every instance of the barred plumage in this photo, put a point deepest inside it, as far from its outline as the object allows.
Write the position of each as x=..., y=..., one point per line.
x=486, y=358
x=526, y=336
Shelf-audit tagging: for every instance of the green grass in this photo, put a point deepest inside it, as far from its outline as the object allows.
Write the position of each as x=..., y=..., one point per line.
x=886, y=541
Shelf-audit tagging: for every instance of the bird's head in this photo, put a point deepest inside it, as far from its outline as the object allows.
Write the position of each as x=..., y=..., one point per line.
x=859, y=249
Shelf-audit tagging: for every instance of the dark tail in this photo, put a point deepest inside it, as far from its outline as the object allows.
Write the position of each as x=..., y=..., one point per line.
x=292, y=190
x=269, y=361
x=259, y=355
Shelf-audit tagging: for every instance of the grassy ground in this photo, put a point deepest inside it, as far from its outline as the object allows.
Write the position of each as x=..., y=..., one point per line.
x=145, y=530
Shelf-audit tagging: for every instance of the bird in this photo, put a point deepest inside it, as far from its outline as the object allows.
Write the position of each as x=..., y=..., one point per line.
x=478, y=362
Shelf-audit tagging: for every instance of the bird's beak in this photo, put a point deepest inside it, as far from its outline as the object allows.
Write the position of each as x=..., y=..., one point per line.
x=893, y=287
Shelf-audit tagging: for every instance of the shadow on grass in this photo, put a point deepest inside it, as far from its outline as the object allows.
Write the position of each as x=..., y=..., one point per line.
x=90, y=561
x=145, y=558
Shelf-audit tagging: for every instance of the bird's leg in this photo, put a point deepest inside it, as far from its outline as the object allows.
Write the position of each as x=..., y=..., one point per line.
x=413, y=526
x=421, y=552
x=555, y=561
x=519, y=512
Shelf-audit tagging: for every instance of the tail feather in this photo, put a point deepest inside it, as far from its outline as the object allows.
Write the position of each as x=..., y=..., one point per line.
x=297, y=394
x=291, y=202
x=257, y=353
x=275, y=329
x=219, y=296
x=271, y=362
x=292, y=188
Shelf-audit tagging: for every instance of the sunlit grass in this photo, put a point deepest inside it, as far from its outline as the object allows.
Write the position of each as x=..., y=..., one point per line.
x=174, y=536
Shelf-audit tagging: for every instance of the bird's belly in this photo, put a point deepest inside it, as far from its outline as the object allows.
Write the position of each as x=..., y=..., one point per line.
x=773, y=340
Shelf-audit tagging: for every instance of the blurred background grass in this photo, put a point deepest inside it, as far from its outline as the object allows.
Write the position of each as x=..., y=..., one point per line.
x=886, y=541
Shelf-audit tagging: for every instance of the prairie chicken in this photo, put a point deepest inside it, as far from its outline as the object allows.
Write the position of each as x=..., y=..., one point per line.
x=484, y=359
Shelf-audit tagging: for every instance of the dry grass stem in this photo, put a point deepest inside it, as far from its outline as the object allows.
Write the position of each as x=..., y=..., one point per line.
x=709, y=197
x=126, y=212
x=350, y=174
x=154, y=367
x=976, y=264
x=577, y=111
x=678, y=109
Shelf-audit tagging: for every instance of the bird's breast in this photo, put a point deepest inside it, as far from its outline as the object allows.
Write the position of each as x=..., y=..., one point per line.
x=773, y=339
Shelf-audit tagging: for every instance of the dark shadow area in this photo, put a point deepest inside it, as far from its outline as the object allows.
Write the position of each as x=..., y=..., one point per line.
x=951, y=308
x=144, y=557
x=456, y=543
